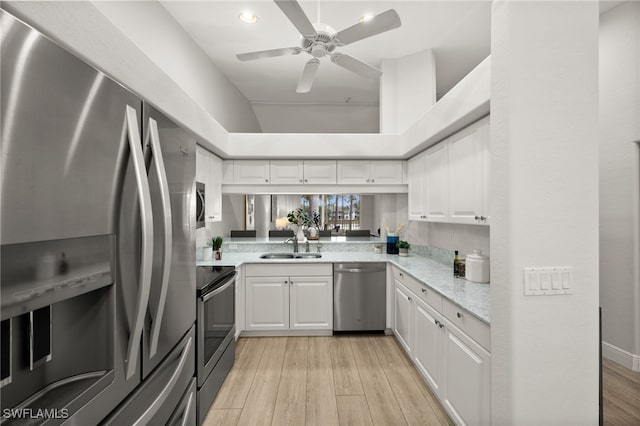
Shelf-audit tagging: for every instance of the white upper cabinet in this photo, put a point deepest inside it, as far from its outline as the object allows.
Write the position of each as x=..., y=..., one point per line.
x=449, y=182
x=417, y=181
x=286, y=172
x=370, y=172
x=320, y=172
x=437, y=190
x=292, y=172
x=251, y=172
x=468, y=174
x=353, y=172
x=213, y=196
x=209, y=172
x=385, y=172
x=202, y=164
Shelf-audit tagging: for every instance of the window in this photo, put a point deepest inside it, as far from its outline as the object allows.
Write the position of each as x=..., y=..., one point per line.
x=338, y=212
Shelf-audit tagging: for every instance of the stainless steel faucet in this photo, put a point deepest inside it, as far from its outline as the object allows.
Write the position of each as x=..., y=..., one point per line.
x=293, y=240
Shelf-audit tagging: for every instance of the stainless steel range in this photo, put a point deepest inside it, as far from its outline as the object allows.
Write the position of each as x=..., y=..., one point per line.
x=215, y=345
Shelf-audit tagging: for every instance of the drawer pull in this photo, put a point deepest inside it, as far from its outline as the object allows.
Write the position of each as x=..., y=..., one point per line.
x=459, y=315
x=401, y=275
x=441, y=325
x=424, y=290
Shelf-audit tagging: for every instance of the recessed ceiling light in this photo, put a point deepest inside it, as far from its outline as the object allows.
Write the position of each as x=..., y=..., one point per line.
x=366, y=18
x=248, y=17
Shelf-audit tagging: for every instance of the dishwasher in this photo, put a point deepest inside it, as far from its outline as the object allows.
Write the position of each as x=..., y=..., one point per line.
x=359, y=297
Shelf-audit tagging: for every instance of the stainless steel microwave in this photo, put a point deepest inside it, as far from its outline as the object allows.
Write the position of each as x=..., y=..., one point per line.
x=200, y=204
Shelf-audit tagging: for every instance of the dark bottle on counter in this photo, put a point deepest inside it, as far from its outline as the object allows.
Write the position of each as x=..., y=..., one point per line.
x=63, y=268
x=456, y=265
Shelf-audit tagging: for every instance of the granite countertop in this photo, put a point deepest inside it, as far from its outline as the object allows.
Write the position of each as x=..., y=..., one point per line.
x=473, y=297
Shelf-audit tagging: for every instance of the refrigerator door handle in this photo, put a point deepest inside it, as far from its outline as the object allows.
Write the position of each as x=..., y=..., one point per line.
x=162, y=397
x=146, y=218
x=153, y=144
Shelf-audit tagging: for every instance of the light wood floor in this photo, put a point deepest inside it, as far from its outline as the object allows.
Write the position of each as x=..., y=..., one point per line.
x=329, y=380
x=621, y=395
x=356, y=380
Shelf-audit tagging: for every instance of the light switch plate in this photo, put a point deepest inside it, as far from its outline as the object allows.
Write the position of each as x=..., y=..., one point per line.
x=548, y=281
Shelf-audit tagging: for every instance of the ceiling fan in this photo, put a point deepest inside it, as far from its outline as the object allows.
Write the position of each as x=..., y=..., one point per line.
x=320, y=40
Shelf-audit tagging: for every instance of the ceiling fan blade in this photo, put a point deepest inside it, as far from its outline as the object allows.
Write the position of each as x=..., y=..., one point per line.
x=356, y=66
x=308, y=75
x=378, y=24
x=296, y=15
x=250, y=56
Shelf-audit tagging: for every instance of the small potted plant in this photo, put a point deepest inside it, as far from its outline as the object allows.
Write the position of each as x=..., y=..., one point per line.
x=314, y=225
x=403, y=248
x=298, y=218
x=216, y=244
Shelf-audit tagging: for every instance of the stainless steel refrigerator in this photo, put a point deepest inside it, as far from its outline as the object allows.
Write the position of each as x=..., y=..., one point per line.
x=98, y=254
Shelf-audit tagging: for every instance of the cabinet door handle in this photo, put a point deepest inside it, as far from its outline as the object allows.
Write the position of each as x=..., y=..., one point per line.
x=424, y=290
x=441, y=325
x=286, y=282
x=401, y=275
x=300, y=180
x=266, y=180
x=409, y=298
x=373, y=180
x=459, y=315
x=476, y=217
x=483, y=218
x=436, y=322
x=306, y=180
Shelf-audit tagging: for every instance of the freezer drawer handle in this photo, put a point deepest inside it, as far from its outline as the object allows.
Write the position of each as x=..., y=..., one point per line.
x=187, y=410
x=162, y=397
x=152, y=148
x=146, y=252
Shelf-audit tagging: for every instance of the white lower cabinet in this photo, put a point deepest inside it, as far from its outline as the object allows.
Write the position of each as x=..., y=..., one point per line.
x=403, y=313
x=267, y=303
x=467, y=378
x=427, y=343
x=449, y=347
x=288, y=297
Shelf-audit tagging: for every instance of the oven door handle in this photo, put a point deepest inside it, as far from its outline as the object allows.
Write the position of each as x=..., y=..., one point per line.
x=153, y=148
x=218, y=290
x=132, y=133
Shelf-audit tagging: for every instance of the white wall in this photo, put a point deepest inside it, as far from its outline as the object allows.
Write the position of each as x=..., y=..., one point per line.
x=619, y=127
x=544, y=211
x=150, y=27
x=393, y=210
x=407, y=90
x=317, y=118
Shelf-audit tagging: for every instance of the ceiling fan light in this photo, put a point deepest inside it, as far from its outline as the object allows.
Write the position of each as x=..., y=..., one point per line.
x=247, y=17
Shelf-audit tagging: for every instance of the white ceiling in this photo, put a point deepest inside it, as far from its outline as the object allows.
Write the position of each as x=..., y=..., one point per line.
x=457, y=31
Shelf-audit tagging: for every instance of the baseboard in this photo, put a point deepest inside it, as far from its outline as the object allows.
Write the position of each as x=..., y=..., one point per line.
x=620, y=356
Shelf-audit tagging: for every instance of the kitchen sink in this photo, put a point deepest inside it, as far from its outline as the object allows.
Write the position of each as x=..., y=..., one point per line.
x=290, y=256
x=308, y=255
x=276, y=256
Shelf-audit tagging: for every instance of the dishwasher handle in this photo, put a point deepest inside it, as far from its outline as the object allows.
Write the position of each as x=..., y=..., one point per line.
x=359, y=270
